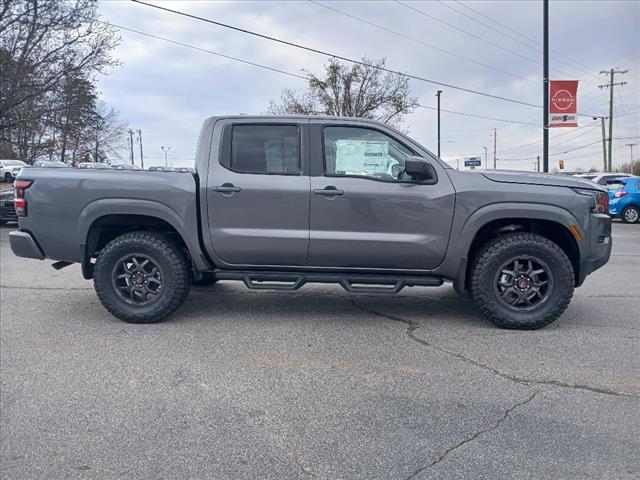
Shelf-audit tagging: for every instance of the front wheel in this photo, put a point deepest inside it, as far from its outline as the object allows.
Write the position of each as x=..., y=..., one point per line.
x=142, y=277
x=8, y=178
x=521, y=281
x=631, y=215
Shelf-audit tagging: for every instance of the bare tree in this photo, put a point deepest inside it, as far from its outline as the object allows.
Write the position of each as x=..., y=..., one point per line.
x=351, y=90
x=106, y=134
x=41, y=43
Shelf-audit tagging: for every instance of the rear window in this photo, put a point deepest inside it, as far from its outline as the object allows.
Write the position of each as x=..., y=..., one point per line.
x=265, y=149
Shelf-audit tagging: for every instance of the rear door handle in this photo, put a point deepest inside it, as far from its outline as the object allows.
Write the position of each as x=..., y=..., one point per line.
x=329, y=191
x=227, y=188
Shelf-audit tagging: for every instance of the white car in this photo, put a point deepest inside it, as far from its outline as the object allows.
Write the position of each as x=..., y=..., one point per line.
x=603, y=178
x=10, y=169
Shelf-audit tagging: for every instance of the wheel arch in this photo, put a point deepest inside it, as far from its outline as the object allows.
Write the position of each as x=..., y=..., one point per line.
x=103, y=220
x=552, y=222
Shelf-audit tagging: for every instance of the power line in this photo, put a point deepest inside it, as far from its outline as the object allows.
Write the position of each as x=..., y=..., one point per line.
x=407, y=37
x=339, y=57
x=480, y=116
x=428, y=15
x=552, y=138
x=204, y=50
x=512, y=38
x=587, y=68
x=229, y=57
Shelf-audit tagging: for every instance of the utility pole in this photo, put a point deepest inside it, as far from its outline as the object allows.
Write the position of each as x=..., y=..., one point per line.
x=141, y=157
x=538, y=164
x=631, y=145
x=131, y=145
x=495, y=140
x=604, y=144
x=165, y=150
x=486, y=165
x=545, y=85
x=438, y=95
x=610, y=86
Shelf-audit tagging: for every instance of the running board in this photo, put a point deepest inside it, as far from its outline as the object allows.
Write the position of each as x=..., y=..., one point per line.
x=354, y=283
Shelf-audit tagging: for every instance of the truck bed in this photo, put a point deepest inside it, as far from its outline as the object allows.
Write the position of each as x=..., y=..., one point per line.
x=62, y=204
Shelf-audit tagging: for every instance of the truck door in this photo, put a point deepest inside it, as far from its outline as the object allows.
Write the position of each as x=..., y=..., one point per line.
x=365, y=212
x=258, y=193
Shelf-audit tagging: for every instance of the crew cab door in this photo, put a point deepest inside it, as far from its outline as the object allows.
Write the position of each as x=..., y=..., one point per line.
x=365, y=212
x=258, y=193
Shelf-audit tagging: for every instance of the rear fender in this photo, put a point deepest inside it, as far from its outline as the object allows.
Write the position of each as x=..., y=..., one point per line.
x=112, y=206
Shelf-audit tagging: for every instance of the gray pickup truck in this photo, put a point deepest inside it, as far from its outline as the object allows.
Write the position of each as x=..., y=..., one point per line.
x=277, y=202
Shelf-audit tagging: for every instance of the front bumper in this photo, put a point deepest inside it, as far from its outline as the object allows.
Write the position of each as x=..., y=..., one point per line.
x=23, y=245
x=600, y=244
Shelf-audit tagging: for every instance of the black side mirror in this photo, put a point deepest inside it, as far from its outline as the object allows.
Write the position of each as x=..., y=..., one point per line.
x=420, y=169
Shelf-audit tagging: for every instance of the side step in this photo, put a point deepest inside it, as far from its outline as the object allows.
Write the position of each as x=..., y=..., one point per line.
x=351, y=282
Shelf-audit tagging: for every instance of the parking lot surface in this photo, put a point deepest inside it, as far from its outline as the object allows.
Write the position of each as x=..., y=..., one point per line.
x=317, y=383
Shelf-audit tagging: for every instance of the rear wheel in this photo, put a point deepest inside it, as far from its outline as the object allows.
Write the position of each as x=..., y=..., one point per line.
x=631, y=215
x=142, y=277
x=8, y=178
x=521, y=281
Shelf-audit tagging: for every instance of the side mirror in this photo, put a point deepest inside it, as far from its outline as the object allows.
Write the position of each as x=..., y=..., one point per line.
x=420, y=169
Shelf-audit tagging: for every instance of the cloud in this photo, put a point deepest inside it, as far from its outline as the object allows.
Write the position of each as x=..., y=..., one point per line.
x=168, y=90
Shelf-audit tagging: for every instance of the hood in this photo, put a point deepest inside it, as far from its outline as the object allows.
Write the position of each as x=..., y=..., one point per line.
x=551, y=180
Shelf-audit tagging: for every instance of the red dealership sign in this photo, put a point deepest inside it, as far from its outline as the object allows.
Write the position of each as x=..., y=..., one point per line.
x=563, y=103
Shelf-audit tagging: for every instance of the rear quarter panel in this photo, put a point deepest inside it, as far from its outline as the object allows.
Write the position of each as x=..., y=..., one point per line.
x=63, y=203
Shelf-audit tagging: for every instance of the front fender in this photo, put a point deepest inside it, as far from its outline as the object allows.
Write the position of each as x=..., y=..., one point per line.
x=467, y=226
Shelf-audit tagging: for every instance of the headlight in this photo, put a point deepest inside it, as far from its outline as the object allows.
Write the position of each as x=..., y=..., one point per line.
x=600, y=199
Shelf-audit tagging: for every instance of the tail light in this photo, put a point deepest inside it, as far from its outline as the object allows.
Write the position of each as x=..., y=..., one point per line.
x=619, y=194
x=602, y=202
x=19, y=201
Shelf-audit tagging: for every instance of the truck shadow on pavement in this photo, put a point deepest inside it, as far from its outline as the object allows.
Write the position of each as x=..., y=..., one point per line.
x=437, y=306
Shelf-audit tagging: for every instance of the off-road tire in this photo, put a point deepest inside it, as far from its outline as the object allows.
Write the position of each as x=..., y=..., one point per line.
x=206, y=280
x=169, y=257
x=630, y=208
x=491, y=257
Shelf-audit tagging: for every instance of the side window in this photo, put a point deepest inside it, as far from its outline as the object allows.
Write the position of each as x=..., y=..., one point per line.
x=265, y=149
x=364, y=152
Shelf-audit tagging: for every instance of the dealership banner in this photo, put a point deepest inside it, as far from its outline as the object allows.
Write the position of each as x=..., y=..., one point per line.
x=563, y=103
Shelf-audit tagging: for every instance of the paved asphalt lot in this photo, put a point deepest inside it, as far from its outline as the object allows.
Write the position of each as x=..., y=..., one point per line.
x=317, y=383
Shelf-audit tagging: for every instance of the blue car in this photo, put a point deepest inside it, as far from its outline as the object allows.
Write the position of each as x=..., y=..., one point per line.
x=624, y=199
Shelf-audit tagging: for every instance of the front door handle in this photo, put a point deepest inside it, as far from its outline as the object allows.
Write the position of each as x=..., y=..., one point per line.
x=227, y=188
x=329, y=191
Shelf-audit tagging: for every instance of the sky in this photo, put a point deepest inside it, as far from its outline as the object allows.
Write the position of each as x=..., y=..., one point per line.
x=167, y=90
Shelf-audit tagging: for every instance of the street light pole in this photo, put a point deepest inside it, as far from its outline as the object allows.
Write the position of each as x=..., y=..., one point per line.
x=631, y=145
x=486, y=165
x=604, y=144
x=545, y=86
x=438, y=95
x=141, y=155
x=165, y=150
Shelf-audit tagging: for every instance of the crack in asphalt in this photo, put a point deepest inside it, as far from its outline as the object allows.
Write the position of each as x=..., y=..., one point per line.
x=411, y=333
x=473, y=437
